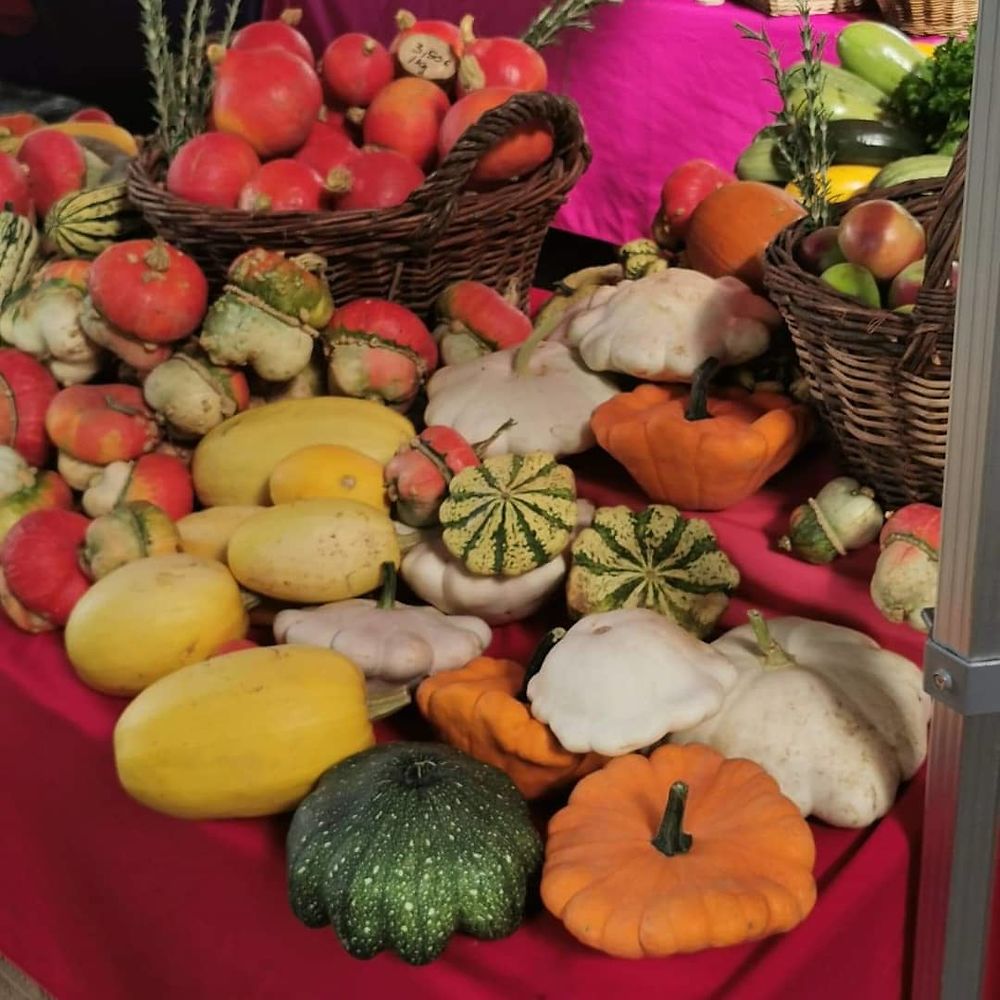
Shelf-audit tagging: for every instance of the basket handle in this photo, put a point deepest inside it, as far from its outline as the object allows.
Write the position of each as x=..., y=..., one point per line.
x=439, y=195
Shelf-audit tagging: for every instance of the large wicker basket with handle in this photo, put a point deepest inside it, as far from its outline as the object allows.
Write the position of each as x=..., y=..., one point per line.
x=443, y=233
x=881, y=380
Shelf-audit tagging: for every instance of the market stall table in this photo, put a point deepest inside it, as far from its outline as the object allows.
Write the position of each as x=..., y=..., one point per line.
x=659, y=82
x=106, y=900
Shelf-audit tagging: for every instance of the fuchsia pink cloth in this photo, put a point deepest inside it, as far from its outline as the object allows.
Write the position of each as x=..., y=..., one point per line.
x=658, y=83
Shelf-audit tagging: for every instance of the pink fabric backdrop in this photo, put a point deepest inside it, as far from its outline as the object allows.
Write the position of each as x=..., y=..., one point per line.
x=659, y=82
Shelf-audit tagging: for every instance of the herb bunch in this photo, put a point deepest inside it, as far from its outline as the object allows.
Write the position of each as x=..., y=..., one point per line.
x=801, y=139
x=180, y=74
x=557, y=17
x=934, y=98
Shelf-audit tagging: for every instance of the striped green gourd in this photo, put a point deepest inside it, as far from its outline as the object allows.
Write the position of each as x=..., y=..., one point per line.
x=656, y=559
x=402, y=845
x=84, y=223
x=510, y=514
x=18, y=250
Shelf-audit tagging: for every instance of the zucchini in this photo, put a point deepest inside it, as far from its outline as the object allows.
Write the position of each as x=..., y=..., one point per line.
x=844, y=80
x=840, y=104
x=83, y=223
x=912, y=168
x=18, y=249
x=760, y=161
x=878, y=53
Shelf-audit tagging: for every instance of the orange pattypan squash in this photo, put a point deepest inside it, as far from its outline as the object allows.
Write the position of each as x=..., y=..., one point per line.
x=481, y=709
x=676, y=852
x=699, y=451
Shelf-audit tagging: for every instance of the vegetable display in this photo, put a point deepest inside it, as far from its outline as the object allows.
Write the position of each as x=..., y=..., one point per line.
x=458, y=858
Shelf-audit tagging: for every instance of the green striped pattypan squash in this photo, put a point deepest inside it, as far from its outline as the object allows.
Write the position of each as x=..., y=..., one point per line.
x=510, y=514
x=656, y=559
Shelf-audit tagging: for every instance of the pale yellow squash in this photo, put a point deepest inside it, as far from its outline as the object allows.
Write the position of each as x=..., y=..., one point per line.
x=246, y=734
x=207, y=532
x=233, y=462
x=313, y=551
x=151, y=617
x=332, y=472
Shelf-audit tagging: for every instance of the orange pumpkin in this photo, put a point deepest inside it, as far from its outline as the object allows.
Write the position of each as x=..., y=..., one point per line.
x=730, y=230
x=699, y=451
x=676, y=852
x=481, y=709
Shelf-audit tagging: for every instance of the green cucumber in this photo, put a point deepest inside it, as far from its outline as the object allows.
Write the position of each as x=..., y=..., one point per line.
x=840, y=104
x=878, y=53
x=912, y=168
x=760, y=161
x=844, y=80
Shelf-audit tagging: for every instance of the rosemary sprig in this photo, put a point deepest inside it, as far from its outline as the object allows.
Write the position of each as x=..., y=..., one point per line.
x=558, y=16
x=181, y=78
x=802, y=141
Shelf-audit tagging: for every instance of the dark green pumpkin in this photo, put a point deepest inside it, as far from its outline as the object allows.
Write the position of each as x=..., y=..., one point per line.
x=402, y=845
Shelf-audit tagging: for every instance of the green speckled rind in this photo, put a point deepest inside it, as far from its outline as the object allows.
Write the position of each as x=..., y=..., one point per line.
x=509, y=515
x=656, y=559
x=284, y=285
x=401, y=867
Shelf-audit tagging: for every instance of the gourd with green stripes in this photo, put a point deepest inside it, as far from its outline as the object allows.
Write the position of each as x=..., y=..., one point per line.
x=84, y=223
x=656, y=559
x=402, y=845
x=18, y=250
x=510, y=514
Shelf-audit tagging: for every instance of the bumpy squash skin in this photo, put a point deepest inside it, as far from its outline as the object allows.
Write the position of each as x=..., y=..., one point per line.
x=459, y=858
x=313, y=551
x=151, y=617
x=243, y=734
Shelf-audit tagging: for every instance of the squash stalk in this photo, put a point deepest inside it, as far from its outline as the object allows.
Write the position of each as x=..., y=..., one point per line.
x=697, y=408
x=773, y=656
x=387, y=594
x=538, y=658
x=671, y=839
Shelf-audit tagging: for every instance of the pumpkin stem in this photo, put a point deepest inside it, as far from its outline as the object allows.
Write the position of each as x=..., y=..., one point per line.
x=671, y=839
x=480, y=446
x=774, y=657
x=697, y=408
x=538, y=658
x=387, y=595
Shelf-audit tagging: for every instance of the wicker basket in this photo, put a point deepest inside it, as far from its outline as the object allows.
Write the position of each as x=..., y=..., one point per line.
x=789, y=8
x=881, y=380
x=409, y=253
x=930, y=17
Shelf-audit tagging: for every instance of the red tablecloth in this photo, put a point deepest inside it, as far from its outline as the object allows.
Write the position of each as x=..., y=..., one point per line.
x=105, y=900
x=658, y=83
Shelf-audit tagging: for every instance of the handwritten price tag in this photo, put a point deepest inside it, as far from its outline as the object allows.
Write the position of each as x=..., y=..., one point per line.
x=428, y=57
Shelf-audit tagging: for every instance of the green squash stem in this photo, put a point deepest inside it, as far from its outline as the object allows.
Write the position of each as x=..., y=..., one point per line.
x=522, y=357
x=697, y=408
x=671, y=839
x=538, y=658
x=772, y=655
x=387, y=595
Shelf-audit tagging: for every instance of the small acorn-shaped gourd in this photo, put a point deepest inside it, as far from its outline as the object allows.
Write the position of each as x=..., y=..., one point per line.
x=843, y=516
x=639, y=258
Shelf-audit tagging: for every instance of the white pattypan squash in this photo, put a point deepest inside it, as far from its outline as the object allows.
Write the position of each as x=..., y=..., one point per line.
x=438, y=578
x=393, y=644
x=835, y=719
x=621, y=680
x=663, y=326
x=550, y=401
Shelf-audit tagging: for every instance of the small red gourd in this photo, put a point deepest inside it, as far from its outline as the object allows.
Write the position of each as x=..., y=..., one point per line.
x=212, y=168
x=378, y=350
x=26, y=390
x=355, y=68
x=56, y=166
x=14, y=188
x=682, y=192
x=474, y=319
x=100, y=424
x=20, y=123
x=268, y=96
x=376, y=178
x=160, y=479
x=91, y=115
x=280, y=33
x=427, y=49
x=499, y=62
x=149, y=290
x=23, y=489
x=283, y=185
x=40, y=575
x=406, y=116
x=327, y=148
x=524, y=149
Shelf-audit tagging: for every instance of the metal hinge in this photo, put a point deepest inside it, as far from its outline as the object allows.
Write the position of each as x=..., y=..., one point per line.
x=969, y=687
